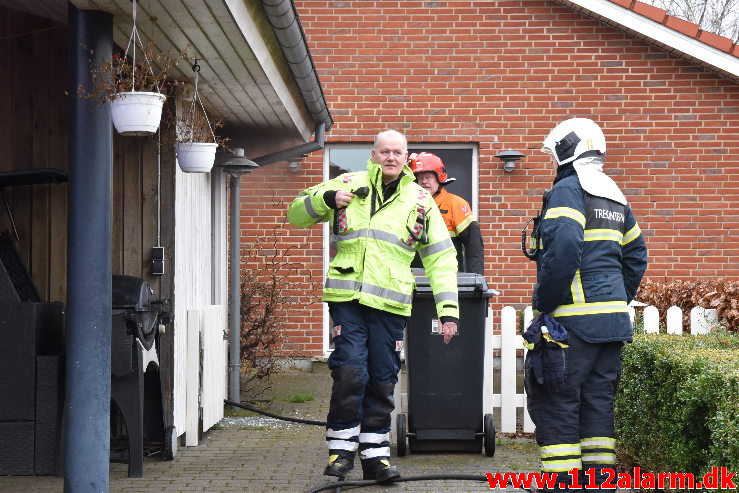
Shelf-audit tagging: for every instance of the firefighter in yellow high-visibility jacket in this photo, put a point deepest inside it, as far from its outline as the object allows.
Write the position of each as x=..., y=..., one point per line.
x=381, y=218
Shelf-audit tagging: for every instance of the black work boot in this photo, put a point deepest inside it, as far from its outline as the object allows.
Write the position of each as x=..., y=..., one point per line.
x=338, y=466
x=380, y=470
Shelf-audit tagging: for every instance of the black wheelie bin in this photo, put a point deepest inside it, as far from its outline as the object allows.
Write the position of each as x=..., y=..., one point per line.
x=445, y=381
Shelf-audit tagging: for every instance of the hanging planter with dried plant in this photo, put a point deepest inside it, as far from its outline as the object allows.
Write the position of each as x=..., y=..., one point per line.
x=134, y=89
x=137, y=112
x=196, y=141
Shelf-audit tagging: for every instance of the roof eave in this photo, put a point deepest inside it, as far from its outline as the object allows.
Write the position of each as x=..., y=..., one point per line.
x=653, y=32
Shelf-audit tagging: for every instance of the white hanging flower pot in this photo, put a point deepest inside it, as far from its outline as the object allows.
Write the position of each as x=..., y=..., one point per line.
x=195, y=150
x=137, y=113
x=196, y=157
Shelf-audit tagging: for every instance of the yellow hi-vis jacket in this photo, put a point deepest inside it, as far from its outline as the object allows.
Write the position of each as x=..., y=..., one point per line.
x=378, y=239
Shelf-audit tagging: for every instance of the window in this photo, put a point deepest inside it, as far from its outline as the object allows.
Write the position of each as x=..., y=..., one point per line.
x=460, y=161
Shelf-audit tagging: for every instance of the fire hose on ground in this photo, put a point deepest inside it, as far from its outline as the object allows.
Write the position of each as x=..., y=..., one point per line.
x=337, y=485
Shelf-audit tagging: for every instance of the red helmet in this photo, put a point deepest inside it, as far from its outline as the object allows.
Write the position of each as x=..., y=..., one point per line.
x=425, y=161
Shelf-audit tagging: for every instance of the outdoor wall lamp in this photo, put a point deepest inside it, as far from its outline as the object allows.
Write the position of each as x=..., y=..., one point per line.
x=293, y=164
x=509, y=158
x=237, y=163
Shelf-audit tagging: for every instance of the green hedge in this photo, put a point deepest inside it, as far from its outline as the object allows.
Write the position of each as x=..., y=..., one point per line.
x=677, y=407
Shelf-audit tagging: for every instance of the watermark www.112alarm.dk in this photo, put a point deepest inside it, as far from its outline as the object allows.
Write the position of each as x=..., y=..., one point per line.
x=718, y=478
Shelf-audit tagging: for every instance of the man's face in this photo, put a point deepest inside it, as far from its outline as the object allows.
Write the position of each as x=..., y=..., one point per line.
x=428, y=180
x=391, y=154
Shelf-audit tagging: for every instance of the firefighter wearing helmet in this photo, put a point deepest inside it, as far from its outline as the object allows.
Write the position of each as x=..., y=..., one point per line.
x=591, y=259
x=460, y=221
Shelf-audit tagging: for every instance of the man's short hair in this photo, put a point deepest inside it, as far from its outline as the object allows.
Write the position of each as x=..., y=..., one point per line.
x=391, y=132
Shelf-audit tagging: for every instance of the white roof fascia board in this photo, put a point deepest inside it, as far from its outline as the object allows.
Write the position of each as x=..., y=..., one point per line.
x=249, y=30
x=691, y=47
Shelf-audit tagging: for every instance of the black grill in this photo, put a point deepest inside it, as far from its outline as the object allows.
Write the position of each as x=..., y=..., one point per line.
x=137, y=315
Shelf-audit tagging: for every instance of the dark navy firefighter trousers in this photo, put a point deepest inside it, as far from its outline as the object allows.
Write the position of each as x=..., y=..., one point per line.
x=364, y=367
x=575, y=427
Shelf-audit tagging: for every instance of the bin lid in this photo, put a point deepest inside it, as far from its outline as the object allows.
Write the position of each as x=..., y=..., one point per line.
x=466, y=282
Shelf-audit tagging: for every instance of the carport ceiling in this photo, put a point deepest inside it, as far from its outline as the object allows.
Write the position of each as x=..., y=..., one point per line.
x=244, y=78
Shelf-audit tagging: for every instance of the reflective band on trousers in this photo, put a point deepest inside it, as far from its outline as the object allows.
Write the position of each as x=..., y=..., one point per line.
x=345, y=433
x=342, y=445
x=595, y=308
x=374, y=437
x=598, y=442
x=600, y=458
x=559, y=450
x=375, y=234
x=342, y=439
x=568, y=212
x=567, y=457
x=603, y=235
x=371, y=453
x=360, y=287
x=437, y=247
x=598, y=450
x=310, y=210
x=561, y=465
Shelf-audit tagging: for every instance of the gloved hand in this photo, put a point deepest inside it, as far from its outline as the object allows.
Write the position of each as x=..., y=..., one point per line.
x=547, y=358
x=338, y=199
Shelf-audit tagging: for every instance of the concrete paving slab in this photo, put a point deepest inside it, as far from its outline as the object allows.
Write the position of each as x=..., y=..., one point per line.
x=255, y=454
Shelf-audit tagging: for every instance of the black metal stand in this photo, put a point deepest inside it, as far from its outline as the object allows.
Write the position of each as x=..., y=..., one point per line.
x=127, y=392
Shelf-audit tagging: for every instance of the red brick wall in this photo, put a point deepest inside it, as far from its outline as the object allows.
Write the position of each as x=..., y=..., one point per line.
x=500, y=75
x=265, y=196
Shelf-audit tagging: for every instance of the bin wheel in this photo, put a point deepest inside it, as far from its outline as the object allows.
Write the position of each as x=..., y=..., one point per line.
x=170, y=443
x=489, y=435
x=402, y=432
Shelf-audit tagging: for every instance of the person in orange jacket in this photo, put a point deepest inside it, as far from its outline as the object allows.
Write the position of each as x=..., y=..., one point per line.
x=460, y=221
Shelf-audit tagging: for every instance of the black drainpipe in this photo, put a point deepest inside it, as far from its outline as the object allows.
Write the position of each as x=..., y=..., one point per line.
x=296, y=151
x=289, y=32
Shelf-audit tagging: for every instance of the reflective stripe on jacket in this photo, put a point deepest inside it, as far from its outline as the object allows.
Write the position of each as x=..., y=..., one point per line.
x=378, y=239
x=455, y=210
x=592, y=260
x=464, y=230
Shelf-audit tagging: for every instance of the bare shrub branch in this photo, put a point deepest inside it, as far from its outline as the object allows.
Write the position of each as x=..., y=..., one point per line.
x=267, y=297
x=118, y=74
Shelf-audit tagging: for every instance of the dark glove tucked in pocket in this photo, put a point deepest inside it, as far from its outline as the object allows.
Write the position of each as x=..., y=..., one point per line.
x=547, y=358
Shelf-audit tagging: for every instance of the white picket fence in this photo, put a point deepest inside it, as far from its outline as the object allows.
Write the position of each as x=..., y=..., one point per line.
x=702, y=320
x=509, y=345
x=504, y=343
